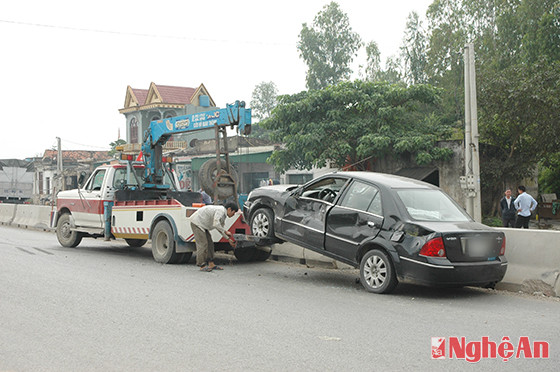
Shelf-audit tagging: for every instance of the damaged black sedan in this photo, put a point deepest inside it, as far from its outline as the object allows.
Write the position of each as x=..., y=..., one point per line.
x=393, y=228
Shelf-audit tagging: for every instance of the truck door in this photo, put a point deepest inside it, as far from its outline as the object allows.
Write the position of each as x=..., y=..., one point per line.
x=91, y=212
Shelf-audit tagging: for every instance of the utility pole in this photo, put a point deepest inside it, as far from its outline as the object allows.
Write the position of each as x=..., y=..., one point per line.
x=59, y=163
x=471, y=180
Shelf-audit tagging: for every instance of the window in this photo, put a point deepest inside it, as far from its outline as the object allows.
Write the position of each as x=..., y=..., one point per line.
x=431, y=205
x=299, y=179
x=96, y=181
x=253, y=180
x=363, y=197
x=133, y=130
x=325, y=189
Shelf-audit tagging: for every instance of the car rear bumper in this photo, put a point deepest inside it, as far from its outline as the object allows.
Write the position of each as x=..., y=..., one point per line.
x=446, y=273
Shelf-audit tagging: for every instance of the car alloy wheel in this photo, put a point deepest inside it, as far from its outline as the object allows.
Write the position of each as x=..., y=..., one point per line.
x=376, y=272
x=262, y=223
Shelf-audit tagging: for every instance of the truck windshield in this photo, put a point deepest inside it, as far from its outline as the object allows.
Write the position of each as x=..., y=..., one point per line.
x=120, y=180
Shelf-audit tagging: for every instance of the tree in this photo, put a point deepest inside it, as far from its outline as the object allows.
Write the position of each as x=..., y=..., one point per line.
x=348, y=122
x=264, y=99
x=373, y=66
x=328, y=47
x=114, y=144
x=519, y=121
x=413, y=51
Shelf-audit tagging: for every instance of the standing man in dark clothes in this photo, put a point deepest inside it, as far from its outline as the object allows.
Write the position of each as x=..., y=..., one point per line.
x=508, y=209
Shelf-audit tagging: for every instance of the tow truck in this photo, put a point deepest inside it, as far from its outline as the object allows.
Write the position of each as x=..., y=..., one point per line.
x=138, y=201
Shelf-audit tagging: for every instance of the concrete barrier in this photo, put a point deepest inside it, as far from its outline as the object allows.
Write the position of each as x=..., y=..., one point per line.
x=37, y=216
x=7, y=213
x=533, y=261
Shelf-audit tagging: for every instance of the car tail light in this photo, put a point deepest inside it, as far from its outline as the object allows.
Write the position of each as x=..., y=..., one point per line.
x=503, y=248
x=433, y=248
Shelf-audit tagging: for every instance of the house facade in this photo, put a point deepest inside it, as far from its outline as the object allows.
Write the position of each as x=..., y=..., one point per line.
x=142, y=106
x=48, y=180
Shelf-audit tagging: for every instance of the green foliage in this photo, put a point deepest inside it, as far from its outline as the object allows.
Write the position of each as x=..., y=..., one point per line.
x=328, y=47
x=413, y=51
x=114, y=144
x=263, y=99
x=350, y=121
x=549, y=175
x=517, y=46
x=492, y=221
x=373, y=66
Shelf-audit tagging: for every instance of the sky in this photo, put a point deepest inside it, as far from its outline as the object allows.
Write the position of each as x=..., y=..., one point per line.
x=65, y=65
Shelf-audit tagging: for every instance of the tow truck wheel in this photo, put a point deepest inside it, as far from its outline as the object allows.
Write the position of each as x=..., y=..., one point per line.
x=245, y=254
x=163, y=244
x=184, y=258
x=66, y=237
x=135, y=243
x=262, y=253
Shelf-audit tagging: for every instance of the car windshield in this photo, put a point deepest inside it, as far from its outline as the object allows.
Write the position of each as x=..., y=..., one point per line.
x=431, y=205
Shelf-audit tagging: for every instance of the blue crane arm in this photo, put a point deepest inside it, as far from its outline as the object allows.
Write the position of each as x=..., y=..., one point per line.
x=161, y=130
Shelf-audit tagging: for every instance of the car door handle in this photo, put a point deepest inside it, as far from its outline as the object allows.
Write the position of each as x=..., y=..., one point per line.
x=371, y=224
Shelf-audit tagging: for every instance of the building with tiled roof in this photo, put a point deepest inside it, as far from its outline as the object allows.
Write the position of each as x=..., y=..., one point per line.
x=141, y=106
x=75, y=163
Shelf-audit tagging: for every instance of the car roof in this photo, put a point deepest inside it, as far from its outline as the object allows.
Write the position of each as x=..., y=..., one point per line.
x=388, y=180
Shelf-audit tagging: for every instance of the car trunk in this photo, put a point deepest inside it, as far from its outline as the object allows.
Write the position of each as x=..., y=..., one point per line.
x=473, y=246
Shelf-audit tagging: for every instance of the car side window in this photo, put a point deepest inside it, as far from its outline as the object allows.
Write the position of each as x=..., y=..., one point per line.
x=363, y=197
x=325, y=189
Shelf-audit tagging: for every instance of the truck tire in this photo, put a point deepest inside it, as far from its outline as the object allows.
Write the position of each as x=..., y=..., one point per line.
x=163, y=244
x=207, y=176
x=246, y=254
x=184, y=258
x=262, y=253
x=66, y=237
x=135, y=243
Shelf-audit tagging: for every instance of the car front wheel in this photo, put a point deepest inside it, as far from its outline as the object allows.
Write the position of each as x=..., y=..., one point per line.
x=66, y=236
x=262, y=223
x=377, y=274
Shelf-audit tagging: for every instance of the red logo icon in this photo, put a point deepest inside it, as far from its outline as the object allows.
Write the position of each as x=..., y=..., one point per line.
x=438, y=347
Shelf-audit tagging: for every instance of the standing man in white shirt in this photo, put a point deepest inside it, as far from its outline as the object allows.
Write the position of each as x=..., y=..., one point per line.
x=525, y=205
x=508, y=209
x=202, y=221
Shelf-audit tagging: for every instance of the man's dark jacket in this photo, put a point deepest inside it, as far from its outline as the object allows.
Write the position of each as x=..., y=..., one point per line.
x=510, y=212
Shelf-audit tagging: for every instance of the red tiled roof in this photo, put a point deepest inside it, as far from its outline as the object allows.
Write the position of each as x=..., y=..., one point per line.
x=78, y=154
x=169, y=94
x=141, y=95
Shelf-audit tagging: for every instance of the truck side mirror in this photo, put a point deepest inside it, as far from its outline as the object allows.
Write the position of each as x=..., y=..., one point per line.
x=81, y=179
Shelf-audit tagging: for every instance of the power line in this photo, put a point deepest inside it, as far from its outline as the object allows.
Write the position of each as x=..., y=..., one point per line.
x=80, y=29
x=64, y=141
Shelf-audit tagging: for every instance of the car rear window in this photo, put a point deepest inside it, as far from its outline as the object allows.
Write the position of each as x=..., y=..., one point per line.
x=431, y=205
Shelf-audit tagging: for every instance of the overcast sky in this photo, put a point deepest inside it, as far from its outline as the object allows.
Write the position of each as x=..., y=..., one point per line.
x=66, y=64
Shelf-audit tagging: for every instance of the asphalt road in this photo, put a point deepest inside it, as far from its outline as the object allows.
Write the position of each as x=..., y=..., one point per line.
x=106, y=307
